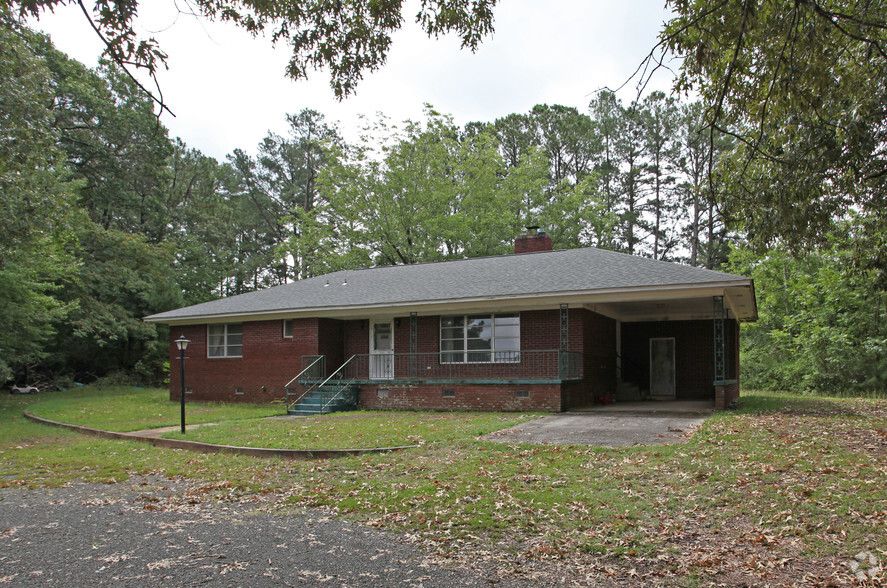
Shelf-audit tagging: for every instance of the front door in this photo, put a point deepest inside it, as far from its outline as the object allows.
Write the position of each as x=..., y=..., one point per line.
x=382, y=351
x=662, y=368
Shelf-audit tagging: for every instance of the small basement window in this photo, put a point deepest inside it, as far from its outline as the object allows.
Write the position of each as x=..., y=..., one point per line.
x=521, y=393
x=449, y=393
x=382, y=392
x=238, y=390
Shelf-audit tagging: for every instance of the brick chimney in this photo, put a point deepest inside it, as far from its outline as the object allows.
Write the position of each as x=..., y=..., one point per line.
x=534, y=240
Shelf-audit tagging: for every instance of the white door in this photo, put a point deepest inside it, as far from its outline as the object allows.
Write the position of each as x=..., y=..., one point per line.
x=382, y=351
x=662, y=368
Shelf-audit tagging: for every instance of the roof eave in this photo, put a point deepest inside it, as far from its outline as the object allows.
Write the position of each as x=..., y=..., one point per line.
x=534, y=300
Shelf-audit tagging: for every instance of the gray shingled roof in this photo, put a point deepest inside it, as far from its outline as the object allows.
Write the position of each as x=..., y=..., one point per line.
x=542, y=273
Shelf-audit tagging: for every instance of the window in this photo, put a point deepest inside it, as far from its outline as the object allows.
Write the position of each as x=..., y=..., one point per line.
x=480, y=338
x=225, y=340
x=288, y=328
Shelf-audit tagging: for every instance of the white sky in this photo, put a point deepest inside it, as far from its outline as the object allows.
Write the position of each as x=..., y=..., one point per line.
x=228, y=89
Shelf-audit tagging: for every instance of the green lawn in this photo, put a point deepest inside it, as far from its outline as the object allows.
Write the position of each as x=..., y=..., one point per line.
x=124, y=409
x=784, y=490
x=354, y=430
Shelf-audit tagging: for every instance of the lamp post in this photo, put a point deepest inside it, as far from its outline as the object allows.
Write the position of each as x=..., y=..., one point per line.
x=182, y=344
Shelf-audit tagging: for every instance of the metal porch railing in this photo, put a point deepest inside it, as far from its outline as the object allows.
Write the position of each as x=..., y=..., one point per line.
x=467, y=366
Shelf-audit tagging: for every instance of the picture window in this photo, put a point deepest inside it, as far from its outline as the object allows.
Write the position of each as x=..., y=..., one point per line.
x=480, y=338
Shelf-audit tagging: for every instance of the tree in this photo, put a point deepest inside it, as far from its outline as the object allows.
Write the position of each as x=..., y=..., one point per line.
x=800, y=85
x=822, y=324
x=36, y=212
x=660, y=121
x=429, y=193
x=346, y=38
x=629, y=149
x=607, y=113
x=281, y=184
x=705, y=232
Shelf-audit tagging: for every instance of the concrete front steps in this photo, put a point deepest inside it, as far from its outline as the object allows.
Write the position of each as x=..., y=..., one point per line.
x=314, y=402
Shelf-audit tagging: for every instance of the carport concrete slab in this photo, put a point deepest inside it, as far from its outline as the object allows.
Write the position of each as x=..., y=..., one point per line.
x=685, y=407
x=606, y=428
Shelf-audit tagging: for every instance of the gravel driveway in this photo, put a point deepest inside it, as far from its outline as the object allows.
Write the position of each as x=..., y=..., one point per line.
x=147, y=532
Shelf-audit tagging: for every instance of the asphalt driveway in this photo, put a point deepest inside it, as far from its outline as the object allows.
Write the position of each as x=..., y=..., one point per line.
x=156, y=532
x=617, y=425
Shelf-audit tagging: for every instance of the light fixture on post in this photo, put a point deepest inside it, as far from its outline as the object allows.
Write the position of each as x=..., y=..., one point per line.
x=182, y=344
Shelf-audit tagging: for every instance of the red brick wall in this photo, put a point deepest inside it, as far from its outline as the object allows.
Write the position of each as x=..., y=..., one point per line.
x=542, y=397
x=725, y=395
x=269, y=360
x=331, y=343
x=532, y=243
x=356, y=337
x=599, y=357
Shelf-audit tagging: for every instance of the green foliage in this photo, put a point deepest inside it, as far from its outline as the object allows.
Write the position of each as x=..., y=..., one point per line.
x=801, y=87
x=277, y=192
x=36, y=218
x=822, y=326
x=347, y=39
x=428, y=194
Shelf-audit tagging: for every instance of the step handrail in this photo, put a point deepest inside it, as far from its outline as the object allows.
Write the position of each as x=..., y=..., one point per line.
x=289, y=404
x=339, y=369
x=311, y=365
x=341, y=388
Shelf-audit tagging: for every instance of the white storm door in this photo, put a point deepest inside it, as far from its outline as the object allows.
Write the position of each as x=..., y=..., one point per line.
x=382, y=351
x=662, y=368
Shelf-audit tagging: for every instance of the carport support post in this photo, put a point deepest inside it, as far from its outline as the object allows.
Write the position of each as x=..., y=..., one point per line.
x=720, y=366
x=718, y=314
x=563, y=356
x=414, y=344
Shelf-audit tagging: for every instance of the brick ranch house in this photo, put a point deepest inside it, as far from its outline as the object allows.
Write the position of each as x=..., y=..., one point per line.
x=541, y=330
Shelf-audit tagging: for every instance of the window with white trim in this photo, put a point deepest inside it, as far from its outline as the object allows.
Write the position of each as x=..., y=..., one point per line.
x=480, y=338
x=224, y=340
x=288, y=328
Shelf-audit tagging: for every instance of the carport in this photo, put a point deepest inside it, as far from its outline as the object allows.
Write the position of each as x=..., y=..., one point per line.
x=681, y=347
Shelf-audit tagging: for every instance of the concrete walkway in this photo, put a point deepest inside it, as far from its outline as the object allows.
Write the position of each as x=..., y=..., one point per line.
x=613, y=425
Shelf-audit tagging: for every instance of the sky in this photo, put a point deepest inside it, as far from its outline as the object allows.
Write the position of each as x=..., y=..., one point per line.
x=228, y=90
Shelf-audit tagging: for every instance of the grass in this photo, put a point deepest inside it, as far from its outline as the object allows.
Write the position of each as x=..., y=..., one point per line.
x=125, y=409
x=780, y=491
x=356, y=430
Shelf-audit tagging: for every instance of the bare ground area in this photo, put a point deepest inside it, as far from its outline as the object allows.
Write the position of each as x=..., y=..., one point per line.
x=153, y=531
x=158, y=532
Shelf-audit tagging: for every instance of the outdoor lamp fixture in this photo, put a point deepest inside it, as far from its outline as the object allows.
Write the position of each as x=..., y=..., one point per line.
x=182, y=344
